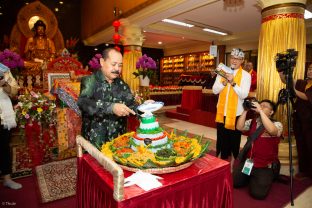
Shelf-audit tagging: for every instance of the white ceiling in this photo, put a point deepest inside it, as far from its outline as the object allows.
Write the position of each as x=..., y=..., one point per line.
x=242, y=22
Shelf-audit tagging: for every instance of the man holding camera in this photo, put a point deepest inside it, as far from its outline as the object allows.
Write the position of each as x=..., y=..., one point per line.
x=233, y=87
x=259, y=164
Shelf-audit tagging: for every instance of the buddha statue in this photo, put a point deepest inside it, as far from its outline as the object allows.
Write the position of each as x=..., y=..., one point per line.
x=39, y=48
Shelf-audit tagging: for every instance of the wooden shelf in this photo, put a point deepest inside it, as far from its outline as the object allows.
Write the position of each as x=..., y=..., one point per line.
x=193, y=63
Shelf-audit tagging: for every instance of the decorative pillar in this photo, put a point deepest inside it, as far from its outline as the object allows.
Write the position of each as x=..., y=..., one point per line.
x=282, y=28
x=132, y=40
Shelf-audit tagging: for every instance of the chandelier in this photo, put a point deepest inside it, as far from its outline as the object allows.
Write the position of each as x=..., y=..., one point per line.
x=233, y=4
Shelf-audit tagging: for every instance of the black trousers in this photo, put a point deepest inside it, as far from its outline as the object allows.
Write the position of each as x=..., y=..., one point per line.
x=259, y=181
x=5, y=153
x=228, y=141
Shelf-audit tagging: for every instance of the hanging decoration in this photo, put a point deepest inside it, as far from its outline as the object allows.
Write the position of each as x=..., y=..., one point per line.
x=116, y=36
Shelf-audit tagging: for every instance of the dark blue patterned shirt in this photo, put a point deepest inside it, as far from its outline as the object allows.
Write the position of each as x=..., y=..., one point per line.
x=96, y=100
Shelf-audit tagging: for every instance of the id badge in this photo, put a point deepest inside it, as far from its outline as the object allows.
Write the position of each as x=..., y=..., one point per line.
x=247, y=167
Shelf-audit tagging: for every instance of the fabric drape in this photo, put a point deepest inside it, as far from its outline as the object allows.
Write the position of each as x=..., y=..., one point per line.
x=129, y=66
x=206, y=183
x=281, y=29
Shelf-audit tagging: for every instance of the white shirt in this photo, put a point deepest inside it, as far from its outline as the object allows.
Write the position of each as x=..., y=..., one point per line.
x=241, y=90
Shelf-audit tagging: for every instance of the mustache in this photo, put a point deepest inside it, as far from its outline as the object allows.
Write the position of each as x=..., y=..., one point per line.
x=115, y=72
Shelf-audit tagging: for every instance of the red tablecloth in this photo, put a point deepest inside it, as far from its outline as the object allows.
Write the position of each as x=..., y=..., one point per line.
x=191, y=98
x=207, y=183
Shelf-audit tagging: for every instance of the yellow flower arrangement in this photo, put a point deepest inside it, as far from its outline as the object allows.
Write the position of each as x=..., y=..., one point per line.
x=36, y=107
x=183, y=149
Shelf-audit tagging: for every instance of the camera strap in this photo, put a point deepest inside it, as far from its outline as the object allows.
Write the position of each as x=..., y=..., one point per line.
x=249, y=142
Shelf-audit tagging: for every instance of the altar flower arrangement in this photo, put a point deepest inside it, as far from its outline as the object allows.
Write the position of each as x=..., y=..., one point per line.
x=36, y=107
x=145, y=66
x=11, y=60
x=94, y=63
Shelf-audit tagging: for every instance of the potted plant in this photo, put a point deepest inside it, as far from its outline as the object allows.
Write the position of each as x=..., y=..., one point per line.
x=145, y=69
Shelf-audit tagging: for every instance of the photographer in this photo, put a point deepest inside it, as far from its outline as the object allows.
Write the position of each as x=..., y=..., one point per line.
x=259, y=163
x=302, y=121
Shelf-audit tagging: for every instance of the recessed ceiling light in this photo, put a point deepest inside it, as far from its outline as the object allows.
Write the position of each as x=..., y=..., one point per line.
x=60, y=2
x=159, y=42
x=106, y=44
x=144, y=30
x=214, y=31
x=177, y=23
x=95, y=49
x=307, y=14
x=1, y=13
x=56, y=9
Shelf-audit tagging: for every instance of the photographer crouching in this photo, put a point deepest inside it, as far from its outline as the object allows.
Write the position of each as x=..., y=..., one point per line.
x=259, y=164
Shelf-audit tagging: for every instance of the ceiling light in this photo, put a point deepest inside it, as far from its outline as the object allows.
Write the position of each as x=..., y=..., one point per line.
x=214, y=31
x=60, y=2
x=307, y=14
x=159, y=42
x=56, y=9
x=177, y=23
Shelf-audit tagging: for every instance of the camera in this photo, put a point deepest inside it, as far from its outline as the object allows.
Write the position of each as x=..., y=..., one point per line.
x=286, y=60
x=247, y=104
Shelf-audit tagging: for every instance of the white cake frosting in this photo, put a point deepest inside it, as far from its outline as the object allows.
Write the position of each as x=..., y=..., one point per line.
x=149, y=125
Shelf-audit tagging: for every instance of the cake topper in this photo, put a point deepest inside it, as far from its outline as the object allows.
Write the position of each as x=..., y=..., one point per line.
x=148, y=107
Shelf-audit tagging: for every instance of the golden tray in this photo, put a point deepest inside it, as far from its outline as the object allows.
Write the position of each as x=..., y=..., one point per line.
x=159, y=170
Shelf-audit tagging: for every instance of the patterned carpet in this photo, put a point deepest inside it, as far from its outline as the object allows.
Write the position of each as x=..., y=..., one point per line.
x=21, y=162
x=57, y=180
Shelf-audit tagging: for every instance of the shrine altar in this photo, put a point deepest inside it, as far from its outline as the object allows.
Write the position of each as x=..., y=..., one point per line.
x=206, y=183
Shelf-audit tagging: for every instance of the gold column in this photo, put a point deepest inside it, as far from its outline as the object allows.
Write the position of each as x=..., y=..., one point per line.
x=132, y=40
x=282, y=28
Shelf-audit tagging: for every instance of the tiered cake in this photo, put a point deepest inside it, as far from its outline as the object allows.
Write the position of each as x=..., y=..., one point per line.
x=150, y=134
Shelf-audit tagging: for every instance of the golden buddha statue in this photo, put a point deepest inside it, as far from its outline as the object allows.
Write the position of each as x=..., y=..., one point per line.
x=39, y=48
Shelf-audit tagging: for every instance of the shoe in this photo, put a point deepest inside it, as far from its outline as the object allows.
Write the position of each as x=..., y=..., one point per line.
x=12, y=184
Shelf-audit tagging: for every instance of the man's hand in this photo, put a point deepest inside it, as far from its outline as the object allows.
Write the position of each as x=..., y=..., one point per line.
x=257, y=106
x=120, y=109
x=230, y=78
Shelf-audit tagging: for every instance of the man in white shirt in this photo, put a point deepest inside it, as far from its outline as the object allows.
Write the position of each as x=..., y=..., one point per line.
x=233, y=88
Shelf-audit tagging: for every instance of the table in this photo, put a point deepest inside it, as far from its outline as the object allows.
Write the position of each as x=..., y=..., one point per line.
x=169, y=98
x=191, y=97
x=207, y=183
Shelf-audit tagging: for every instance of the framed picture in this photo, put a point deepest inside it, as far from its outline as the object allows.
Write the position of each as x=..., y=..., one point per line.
x=53, y=76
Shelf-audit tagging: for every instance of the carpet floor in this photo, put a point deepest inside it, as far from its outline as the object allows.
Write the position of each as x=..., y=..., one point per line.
x=57, y=180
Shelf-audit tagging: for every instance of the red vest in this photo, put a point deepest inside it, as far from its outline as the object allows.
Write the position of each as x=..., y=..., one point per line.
x=264, y=150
